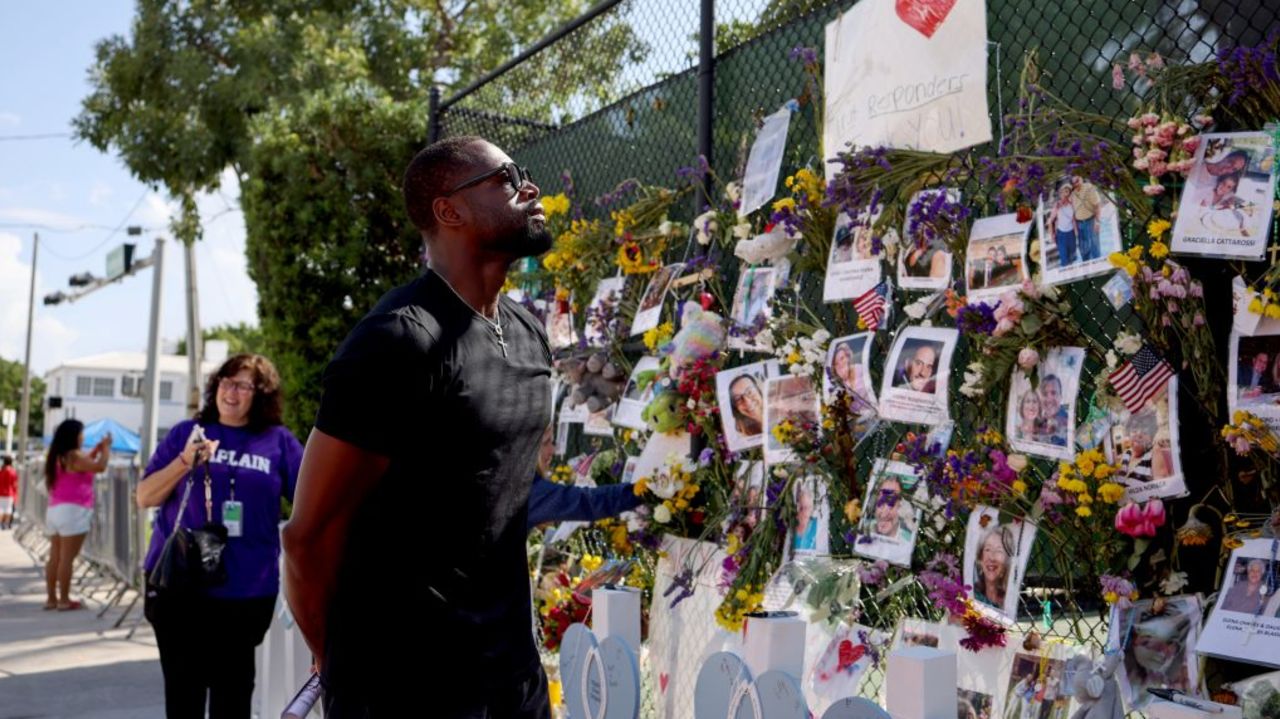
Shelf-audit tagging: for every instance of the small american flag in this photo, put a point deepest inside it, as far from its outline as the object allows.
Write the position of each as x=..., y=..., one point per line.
x=1142, y=377
x=870, y=305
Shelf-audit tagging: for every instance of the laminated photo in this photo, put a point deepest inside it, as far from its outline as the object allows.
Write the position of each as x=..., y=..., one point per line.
x=1245, y=622
x=604, y=304
x=637, y=394
x=995, y=561
x=1079, y=228
x=649, y=311
x=750, y=309
x=1228, y=197
x=811, y=533
x=789, y=398
x=1145, y=446
x=1040, y=417
x=925, y=263
x=1038, y=687
x=1158, y=648
x=890, y=520
x=852, y=267
x=849, y=370
x=1253, y=381
x=740, y=396
x=914, y=386
x=996, y=260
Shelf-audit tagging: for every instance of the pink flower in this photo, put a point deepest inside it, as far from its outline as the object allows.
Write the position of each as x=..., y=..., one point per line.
x=1154, y=512
x=1153, y=190
x=1158, y=167
x=1135, y=64
x=1183, y=128
x=1155, y=62
x=1028, y=358
x=1156, y=154
x=1198, y=320
x=1196, y=289
x=1141, y=164
x=1139, y=138
x=1139, y=153
x=1003, y=327
x=1134, y=123
x=1190, y=144
x=1137, y=521
x=1117, y=76
x=1202, y=121
x=1150, y=119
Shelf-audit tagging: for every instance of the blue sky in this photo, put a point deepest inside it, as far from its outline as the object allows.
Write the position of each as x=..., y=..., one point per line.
x=73, y=195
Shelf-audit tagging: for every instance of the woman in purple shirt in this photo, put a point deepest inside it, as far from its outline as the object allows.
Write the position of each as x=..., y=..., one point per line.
x=207, y=639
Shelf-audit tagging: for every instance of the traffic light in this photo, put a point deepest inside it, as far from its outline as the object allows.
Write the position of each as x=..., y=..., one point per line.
x=55, y=298
x=84, y=279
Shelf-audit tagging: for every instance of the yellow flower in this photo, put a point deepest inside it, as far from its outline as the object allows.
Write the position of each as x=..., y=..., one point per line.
x=1157, y=227
x=658, y=336
x=782, y=432
x=591, y=562
x=555, y=205
x=1083, y=511
x=1119, y=259
x=1255, y=306
x=640, y=487
x=1111, y=597
x=1086, y=465
x=1103, y=471
x=1273, y=311
x=1135, y=252
x=1111, y=492
x=732, y=546
x=1019, y=486
x=1159, y=250
x=786, y=203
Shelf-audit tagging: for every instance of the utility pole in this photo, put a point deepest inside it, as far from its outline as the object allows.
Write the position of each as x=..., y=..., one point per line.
x=24, y=415
x=195, y=347
x=151, y=381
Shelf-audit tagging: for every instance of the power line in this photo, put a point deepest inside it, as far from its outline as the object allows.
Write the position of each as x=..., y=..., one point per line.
x=106, y=239
x=39, y=136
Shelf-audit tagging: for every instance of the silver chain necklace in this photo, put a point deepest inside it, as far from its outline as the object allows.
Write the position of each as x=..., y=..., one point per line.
x=495, y=324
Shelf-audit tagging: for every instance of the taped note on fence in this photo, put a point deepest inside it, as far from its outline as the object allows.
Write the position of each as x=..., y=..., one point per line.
x=909, y=74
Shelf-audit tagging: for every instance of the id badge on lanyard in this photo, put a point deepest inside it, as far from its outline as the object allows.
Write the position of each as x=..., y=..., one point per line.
x=233, y=513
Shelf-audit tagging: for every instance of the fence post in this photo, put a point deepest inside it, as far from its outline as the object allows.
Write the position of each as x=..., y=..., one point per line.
x=433, y=114
x=706, y=93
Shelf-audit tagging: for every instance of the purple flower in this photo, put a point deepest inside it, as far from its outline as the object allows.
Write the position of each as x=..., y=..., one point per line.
x=979, y=318
x=805, y=55
x=706, y=456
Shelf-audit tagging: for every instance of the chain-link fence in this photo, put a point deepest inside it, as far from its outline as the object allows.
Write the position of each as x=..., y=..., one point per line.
x=617, y=98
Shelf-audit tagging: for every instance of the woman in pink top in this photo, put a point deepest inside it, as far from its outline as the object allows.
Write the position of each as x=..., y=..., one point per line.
x=69, y=472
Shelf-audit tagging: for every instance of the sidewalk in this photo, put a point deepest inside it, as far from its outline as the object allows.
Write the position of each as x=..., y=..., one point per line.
x=69, y=665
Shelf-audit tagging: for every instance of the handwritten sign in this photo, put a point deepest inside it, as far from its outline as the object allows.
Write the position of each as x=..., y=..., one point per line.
x=909, y=74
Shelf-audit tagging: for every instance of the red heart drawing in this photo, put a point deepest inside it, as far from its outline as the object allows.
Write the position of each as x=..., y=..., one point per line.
x=849, y=654
x=662, y=681
x=925, y=16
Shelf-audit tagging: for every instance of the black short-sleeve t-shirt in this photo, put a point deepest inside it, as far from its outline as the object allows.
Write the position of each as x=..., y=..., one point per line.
x=434, y=566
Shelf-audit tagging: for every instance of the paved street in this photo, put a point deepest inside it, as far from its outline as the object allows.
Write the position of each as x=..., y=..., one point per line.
x=69, y=665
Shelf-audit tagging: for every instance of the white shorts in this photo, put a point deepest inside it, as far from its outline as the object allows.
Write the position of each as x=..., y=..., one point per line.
x=67, y=520
x=6, y=505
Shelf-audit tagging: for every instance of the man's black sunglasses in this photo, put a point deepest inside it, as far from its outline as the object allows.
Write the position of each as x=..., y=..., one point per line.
x=516, y=175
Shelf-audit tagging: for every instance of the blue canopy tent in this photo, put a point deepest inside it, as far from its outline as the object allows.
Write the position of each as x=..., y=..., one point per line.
x=123, y=439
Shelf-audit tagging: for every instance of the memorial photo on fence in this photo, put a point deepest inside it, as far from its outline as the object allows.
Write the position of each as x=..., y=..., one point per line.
x=1079, y=227
x=995, y=559
x=750, y=309
x=604, y=313
x=849, y=371
x=810, y=533
x=924, y=263
x=1254, y=377
x=1037, y=688
x=852, y=266
x=890, y=521
x=973, y=705
x=1245, y=622
x=637, y=394
x=1040, y=417
x=996, y=260
x=740, y=394
x=1227, y=203
x=1144, y=445
x=914, y=385
x=1157, y=647
x=788, y=400
x=649, y=311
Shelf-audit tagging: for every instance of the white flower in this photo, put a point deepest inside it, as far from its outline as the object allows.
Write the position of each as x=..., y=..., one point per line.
x=1112, y=360
x=764, y=338
x=1174, y=583
x=821, y=336
x=916, y=309
x=796, y=369
x=665, y=227
x=1128, y=343
x=742, y=230
x=661, y=514
x=664, y=486
x=691, y=404
x=705, y=225
x=1049, y=292
x=635, y=522
x=732, y=191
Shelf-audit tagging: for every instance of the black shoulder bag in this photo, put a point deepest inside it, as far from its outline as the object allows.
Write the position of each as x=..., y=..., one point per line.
x=191, y=559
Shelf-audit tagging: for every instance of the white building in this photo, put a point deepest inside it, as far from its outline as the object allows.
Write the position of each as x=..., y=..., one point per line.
x=110, y=385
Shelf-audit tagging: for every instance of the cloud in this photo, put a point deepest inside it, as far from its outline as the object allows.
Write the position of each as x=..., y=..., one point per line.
x=99, y=194
x=51, y=338
x=10, y=119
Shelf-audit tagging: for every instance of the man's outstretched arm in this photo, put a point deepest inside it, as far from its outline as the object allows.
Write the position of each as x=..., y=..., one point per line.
x=333, y=481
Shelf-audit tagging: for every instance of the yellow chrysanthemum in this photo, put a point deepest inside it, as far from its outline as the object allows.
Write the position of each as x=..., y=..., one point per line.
x=1156, y=229
x=1111, y=492
x=1084, y=511
x=1159, y=250
x=786, y=203
x=1135, y=252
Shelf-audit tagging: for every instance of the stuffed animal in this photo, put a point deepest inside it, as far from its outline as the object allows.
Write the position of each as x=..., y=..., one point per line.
x=772, y=245
x=1095, y=687
x=702, y=334
x=596, y=381
x=663, y=413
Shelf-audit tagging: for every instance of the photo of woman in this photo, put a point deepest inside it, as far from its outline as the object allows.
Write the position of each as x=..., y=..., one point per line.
x=1041, y=405
x=1254, y=582
x=848, y=371
x=1062, y=223
x=740, y=394
x=995, y=558
x=1227, y=196
x=805, y=536
x=842, y=245
x=996, y=550
x=1031, y=425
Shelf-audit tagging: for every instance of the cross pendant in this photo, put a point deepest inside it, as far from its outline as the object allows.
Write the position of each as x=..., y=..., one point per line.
x=501, y=342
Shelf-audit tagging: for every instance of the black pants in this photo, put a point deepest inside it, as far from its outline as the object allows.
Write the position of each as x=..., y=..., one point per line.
x=206, y=652
x=523, y=698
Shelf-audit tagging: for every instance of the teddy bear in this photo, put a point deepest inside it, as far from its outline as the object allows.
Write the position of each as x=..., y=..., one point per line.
x=1095, y=687
x=772, y=245
x=702, y=334
x=595, y=379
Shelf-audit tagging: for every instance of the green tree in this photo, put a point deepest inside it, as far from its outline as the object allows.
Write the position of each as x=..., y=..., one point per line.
x=11, y=397
x=240, y=337
x=318, y=105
